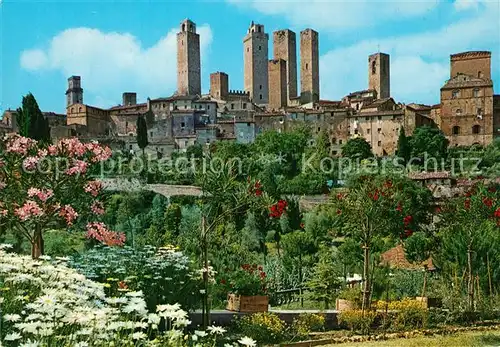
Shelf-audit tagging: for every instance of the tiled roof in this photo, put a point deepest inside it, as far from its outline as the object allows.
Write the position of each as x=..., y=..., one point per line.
x=123, y=107
x=396, y=258
x=429, y=175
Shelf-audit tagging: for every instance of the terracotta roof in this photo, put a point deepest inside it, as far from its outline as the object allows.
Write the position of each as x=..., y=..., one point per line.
x=429, y=175
x=122, y=107
x=396, y=259
x=470, y=54
x=361, y=92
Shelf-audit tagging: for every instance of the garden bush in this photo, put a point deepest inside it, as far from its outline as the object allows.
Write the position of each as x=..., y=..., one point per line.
x=264, y=327
x=48, y=304
x=306, y=323
x=357, y=320
x=406, y=314
x=164, y=274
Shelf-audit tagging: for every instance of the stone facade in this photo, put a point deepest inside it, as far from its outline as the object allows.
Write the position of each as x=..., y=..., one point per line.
x=277, y=84
x=188, y=60
x=309, y=66
x=129, y=99
x=475, y=64
x=379, y=74
x=255, y=69
x=219, y=85
x=285, y=47
x=467, y=101
x=74, y=93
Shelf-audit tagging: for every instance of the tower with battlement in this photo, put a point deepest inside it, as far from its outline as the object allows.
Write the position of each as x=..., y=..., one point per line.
x=379, y=74
x=285, y=47
x=255, y=61
x=188, y=59
x=309, y=66
x=74, y=93
x=474, y=63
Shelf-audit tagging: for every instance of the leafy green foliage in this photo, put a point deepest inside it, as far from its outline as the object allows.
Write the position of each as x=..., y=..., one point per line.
x=357, y=148
x=30, y=120
x=404, y=149
x=142, y=133
x=428, y=141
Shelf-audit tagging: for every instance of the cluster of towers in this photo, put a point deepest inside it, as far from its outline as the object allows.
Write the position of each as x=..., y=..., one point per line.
x=272, y=82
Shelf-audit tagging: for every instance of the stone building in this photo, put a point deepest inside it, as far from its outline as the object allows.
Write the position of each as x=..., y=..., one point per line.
x=74, y=93
x=277, y=84
x=285, y=47
x=379, y=75
x=309, y=66
x=255, y=65
x=466, y=115
x=188, y=60
x=219, y=85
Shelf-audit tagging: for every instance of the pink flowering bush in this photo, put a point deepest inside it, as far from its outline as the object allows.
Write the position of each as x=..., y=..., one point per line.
x=49, y=186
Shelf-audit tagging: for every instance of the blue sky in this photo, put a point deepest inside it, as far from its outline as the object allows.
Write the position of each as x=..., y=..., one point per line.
x=130, y=46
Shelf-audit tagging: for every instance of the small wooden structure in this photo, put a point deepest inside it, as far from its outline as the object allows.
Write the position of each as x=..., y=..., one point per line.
x=241, y=303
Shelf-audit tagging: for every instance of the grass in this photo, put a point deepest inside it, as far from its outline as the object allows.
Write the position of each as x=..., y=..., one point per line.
x=469, y=339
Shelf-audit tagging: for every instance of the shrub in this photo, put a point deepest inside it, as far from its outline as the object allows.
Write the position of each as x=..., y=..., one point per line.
x=164, y=274
x=306, y=323
x=351, y=294
x=407, y=314
x=48, y=304
x=357, y=320
x=264, y=327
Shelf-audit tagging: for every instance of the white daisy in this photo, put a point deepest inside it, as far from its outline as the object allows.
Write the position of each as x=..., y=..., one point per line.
x=247, y=341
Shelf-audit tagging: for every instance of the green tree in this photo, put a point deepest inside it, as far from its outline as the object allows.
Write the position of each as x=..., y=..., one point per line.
x=173, y=219
x=404, y=149
x=195, y=151
x=326, y=279
x=418, y=248
x=428, y=140
x=30, y=120
x=379, y=206
x=142, y=133
x=357, y=148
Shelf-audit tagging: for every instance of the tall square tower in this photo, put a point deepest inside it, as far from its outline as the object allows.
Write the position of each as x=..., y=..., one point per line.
x=255, y=58
x=285, y=47
x=277, y=84
x=379, y=74
x=309, y=66
x=188, y=60
x=74, y=93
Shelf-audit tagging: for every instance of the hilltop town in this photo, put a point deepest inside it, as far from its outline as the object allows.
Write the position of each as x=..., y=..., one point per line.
x=468, y=112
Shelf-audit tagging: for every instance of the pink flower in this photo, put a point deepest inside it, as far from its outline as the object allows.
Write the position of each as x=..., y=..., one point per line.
x=100, y=232
x=73, y=147
x=52, y=150
x=79, y=167
x=30, y=163
x=68, y=213
x=2, y=185
x=29, y=209
x=42, y=153
x=2, y=163
x=42, y=194
x=20, y=145
x=97, y=207
x=93, y=187
x=3, y=213
x=101, y=154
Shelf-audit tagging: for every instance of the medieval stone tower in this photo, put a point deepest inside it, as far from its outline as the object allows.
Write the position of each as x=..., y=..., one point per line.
x=379, y=74
x=188, y=60
x=219, y=85
x=255, y=62
x=309, y=66
x=285, y=47
x=277, y=84
x=74, y=94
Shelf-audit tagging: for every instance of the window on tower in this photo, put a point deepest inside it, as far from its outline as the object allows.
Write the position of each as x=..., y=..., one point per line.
x=260, y=48
x=374, y=67
x=260, y=96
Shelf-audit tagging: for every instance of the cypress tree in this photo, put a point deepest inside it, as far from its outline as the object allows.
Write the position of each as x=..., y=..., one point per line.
x=142, y=133
x=404, y=149
x=30, y=120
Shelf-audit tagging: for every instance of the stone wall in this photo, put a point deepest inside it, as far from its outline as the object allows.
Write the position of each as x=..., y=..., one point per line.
x=476, y=64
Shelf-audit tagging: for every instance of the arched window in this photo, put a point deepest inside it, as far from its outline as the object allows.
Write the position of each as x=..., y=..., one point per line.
x=374, y=67
x=79, y=109
x=456, y=130
x=458, y=112
x=476, y=129
x=476, y=92
x=455, y=94
x=72, y=110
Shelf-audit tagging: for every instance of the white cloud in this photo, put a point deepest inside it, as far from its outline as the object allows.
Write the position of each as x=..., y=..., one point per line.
x=419, y=62
x=339, y=14
x=110, y=63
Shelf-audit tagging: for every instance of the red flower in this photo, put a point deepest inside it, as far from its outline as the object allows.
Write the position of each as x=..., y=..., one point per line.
x=223, y=281
x=122, y=285
x=488, y=202
x=408, y=233
x=467, y=204
x=302, y=225
x=339, y=211
x=438, y=209
x=492, y=189
x=262, y=275
x=497, y=213
x=407, y=220
x=399, y=208
x=260, y=268
x=340, y=196
x=388, y=184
